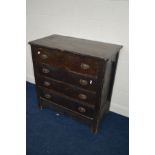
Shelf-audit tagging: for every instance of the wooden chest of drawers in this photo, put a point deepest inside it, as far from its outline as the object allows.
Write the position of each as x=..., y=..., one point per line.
x=75, y=76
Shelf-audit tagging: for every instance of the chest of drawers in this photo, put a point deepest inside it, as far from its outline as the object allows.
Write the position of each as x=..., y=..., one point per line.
x=75, y=76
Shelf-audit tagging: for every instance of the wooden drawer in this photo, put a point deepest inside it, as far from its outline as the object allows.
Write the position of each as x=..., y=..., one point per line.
x=66, y=89
x=71, y=78
x=67, y=103
x=69, y=61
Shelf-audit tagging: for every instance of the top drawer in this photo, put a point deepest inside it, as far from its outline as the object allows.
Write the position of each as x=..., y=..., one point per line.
x=69, y=61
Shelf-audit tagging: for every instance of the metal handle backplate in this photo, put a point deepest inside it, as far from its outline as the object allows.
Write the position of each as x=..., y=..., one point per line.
x=48, y=96
x=81, y=109
x=83, y=82
x=84, y=66
x=46, y=83
x=82, y=96
x=45, y=70
x=44, y=56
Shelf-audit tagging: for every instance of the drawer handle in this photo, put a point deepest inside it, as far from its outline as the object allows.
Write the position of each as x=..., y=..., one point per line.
x=44, y=56
x=48, y=96
x=46, y=83
x=45, y=70
x=84, y=66
x=83, y=82
x=81, y=109
x=82, y=96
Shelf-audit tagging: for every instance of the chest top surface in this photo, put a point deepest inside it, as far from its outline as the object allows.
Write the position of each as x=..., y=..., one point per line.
x=79, y=46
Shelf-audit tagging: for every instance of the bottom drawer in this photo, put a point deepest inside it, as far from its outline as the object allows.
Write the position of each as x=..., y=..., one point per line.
x=74, y=106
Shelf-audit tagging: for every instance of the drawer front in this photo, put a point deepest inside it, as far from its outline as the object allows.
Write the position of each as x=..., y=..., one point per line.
x=66, y=60
x=71, y=78
x=74, y=106
x=71, y=91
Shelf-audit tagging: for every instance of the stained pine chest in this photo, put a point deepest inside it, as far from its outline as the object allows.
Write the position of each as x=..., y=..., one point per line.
x=75, y=76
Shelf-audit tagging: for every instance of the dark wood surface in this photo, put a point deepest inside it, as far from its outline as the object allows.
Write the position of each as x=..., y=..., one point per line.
x=75, y=76
x=66, y=76
x=76, y=45
x=66, y=102
x=68, y=90
x=68, y=61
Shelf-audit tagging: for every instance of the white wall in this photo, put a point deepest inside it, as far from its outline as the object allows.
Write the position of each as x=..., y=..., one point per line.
x=102, y=20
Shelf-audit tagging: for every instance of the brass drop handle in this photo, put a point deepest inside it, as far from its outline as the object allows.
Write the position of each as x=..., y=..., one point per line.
x=48, y=96
x=45, y=70
x=46, y=83
x=44, y=56
x=82, y=96
x=81, y=109
x=83, y=82
x=84, y=66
